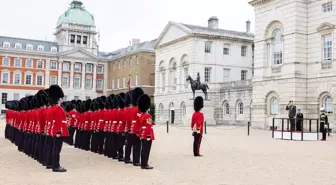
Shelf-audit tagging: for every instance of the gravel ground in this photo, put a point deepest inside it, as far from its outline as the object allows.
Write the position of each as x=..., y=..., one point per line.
x=230, y=158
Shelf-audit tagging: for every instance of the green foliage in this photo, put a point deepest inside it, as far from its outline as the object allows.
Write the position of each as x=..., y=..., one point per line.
x=152, y=111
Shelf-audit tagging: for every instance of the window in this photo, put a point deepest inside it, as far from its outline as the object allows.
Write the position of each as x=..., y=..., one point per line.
x=118, y=83
x=274, y=105
x=5, y=77
x=136, y=80
x=100, y=69
x=53, y=49
x=6, y=61
x=65, y=98
x=53, y=80
x=53, y=65
x=183, y=109
x=226, y=75
x=277, y=48
x=16, y=96
x=18, y=46
x=40, y=48
x=185, y=71
x=87, y=97
x=88, y=83
x=29, y=47
x=17, y=62
x=207, y=74
x=39, y=79
x=163, y=81
x=327, y=7
x=207, y=48
x=17, y=78
x=137, y=60
x=160, y=110
x=6, y=45
x=124, y=82
x=28, y=79
x=112, y=83
x=118, y=64
x=99, y=84
x=226, y=49
x=226, y=108
x=65, y=81
x=125, y=63
x=76, y=97
x=3, y=98
x=40, y=64
x=77, y=82
x=72, y=38
x=65, y=66
x=78, y=67
x=243, y=74
x=79, y=39
x=29, y=63
x=240, y=108
x=129, y=81
x=243, y=51
x=88, y=68
x=328, y=104
x=327, y=47
x=130, y=62
x=84, y=39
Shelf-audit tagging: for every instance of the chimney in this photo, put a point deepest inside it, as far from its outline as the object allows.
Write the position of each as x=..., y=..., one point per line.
x=213, y=23
x=135, y=41
x=248, y=27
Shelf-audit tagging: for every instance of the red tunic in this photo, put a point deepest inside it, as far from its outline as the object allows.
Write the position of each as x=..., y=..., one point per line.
x=93, y=120
x=128, y=119
x=147, y=131
x=86, y=121
x=110, y=119
x=122, y=121
x=115, y=120
x=42, y=121
x=72, y=118
x=197, y=121
x=101, y=120
x=107, y=120
x=48, y=120
x=135, y=124
x=59, y=121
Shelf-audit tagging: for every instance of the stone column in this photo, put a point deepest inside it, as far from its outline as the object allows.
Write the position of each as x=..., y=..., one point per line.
x=72, y=68
x=59, y=78
x=83, y=76
x=94, y=77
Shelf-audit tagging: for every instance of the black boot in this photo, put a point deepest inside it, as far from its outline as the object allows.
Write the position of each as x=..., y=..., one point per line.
x=146, y=167
x=59, y=169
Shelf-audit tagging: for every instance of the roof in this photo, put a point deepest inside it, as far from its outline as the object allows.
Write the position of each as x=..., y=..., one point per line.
x=76, y=14
x=144, y=46
x=24, y=42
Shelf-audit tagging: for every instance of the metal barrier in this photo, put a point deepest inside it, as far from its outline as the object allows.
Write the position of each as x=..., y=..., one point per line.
x=292, y=125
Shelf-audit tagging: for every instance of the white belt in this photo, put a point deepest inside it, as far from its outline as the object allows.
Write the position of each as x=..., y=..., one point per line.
x=133, y=121
x=101, y=120
x=114, y=121
x=86, y=122
x=106, y=121
x=143, y=127
x=120, y=121
x=64, y=121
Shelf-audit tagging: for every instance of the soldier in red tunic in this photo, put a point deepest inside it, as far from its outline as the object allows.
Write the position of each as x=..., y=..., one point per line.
x=121, y=126
x=128, y=107
x=77, y=123
x=147, y=131
x=197, y=121
x=101, y=124
x=115, y=120
x=108, y=124
x=59, y=129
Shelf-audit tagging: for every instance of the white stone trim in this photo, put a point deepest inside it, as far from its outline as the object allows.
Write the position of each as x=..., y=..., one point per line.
x=6, y=45
x=53, y=49
x=18, y=46
x=29, y=47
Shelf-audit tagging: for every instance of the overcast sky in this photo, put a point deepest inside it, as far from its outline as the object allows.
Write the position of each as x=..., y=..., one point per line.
x=121, y=20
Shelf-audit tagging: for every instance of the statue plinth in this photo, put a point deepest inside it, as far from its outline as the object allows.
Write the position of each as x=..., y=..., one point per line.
x=208, y=112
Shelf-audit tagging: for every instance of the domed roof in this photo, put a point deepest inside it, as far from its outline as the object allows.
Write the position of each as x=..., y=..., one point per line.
x=76, y=14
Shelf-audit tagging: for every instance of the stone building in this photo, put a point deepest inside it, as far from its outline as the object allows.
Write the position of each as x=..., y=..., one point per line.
x=220, y=56
x=294, y=58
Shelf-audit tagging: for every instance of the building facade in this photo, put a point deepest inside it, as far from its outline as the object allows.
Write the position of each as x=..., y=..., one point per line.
x=294, y=58
x=73, y=61
x=131, y=67
x=219, y=56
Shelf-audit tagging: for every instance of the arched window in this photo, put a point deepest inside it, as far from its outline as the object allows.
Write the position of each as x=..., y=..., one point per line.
x=226, y=108
x=277, y=47
x=240, y=108
x=183, y=109
x=160, y=111
x=327, y=104
x=274, y=105
x=18, y=46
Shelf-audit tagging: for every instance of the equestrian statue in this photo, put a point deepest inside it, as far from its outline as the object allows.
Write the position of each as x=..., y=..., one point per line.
x=197, y=85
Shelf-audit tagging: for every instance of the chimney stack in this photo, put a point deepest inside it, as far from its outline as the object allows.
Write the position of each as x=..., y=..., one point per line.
x=248, y=27
x=213, y=23
x=135, y=41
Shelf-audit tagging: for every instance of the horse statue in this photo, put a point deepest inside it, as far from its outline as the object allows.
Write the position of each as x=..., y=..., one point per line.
x=195, y=86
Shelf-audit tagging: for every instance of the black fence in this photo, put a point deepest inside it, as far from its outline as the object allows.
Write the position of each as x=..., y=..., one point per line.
x=295, y=125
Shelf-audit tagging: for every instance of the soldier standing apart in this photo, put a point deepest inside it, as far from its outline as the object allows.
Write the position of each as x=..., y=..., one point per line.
x=324, y=125
x=299, y=120
x=291, y=114
x=197, y=121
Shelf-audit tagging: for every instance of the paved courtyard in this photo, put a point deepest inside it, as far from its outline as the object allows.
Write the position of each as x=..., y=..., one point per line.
x=230, y=157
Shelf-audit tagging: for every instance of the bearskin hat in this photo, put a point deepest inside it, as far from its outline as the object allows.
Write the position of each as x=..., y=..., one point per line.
x=87, y=105
x=10, y=105
x=128, y=98
x=55, y=93
x=78, y=104
x=121, y=101
x=136, y=93
x=45, y=99
x=94, y=105
x=68, y=107
x=82, y=106
x=144, y=103
x=198, y=103
x=109, y=101
x=116, y=102
x=101, y=103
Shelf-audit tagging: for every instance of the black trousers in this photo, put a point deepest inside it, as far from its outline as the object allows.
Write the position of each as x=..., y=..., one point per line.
x=100, y=141
x=145, y=151
x=298, y=125
x=114, y=145
x=121, y=143
x=36, y=146
x=107, y=143
x=133, y=143
x=70, y=139
x=292, y=123
x=40, y=148
x=128, y=147
x=48, y=151
x=77, y=138
x=197, y=143
x=56, y=150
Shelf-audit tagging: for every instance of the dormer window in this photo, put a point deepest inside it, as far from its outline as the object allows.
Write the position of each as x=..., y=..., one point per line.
x=53, y=49
x=29, y=47
x=327, y=7
x=18, y=46
x=40, y=48
x=6, y=45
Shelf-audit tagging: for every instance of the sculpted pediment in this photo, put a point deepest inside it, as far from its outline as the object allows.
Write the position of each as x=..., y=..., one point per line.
x=78, y=54
x=172, y=31
x=325, y=26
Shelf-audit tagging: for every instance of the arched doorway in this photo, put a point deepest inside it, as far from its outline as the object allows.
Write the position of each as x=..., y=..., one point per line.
x=171, y=113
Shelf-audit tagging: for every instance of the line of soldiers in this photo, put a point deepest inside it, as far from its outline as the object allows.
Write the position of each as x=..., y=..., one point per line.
x=39, y=124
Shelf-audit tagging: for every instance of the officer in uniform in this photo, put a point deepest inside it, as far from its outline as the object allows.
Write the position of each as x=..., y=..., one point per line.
x=324, y=125
x=299, y=120
x=197, y=121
